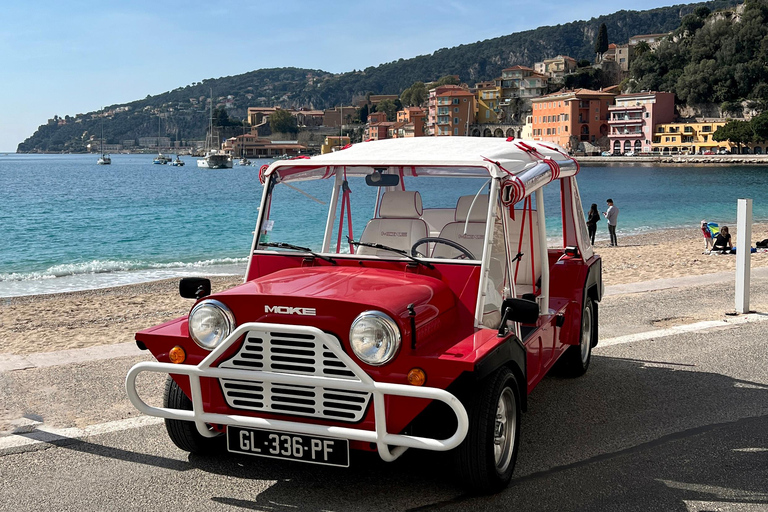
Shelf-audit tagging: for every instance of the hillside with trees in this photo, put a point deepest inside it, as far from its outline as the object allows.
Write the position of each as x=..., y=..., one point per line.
x=719, y=58
x=184, y=111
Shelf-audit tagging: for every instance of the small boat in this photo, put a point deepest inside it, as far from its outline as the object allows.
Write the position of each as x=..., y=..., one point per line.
x=103, y=159
x=161, y=159
x=178, y=162
x=244, y=161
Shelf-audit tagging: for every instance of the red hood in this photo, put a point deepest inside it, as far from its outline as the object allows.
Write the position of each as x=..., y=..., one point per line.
x=388, y=290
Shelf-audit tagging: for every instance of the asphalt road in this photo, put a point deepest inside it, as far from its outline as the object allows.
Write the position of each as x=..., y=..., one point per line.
x=675, y=422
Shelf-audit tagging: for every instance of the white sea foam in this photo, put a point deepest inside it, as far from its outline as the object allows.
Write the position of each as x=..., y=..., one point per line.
x=105, y=274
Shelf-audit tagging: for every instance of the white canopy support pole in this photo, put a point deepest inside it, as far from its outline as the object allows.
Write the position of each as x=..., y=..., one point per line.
x=332, y=211
x=260, y=220
x=486, y=258
x=543, y=254
x=743, y=254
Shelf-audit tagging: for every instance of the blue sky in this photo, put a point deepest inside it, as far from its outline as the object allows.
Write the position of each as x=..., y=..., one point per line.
x=71, y=56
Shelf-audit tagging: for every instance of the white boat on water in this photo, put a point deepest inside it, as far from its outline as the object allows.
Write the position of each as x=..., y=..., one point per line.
x=178, y=162
x=244, y=161
x=215, y=159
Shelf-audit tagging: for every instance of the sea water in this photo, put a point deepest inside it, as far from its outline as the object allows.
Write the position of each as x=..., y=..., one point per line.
x=67, y=223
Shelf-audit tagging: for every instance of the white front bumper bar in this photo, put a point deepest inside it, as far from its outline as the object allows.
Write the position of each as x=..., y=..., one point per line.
x=384, y=440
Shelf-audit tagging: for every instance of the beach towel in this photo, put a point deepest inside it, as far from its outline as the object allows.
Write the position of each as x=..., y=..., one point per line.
x=713, y=228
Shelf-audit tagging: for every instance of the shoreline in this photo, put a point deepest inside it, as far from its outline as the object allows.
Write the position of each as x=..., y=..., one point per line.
x=112, y=315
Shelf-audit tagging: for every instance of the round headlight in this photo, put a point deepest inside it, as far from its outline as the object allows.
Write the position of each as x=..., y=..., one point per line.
x=210, y=322
x=374, y=337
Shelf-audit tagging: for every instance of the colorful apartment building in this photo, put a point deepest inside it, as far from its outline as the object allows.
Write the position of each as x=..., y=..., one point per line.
x=521, y=82
x=377, y=127
x=580, y=113
x=488, y=99
x=451, y=111
x=633, y=117
x=412, y=122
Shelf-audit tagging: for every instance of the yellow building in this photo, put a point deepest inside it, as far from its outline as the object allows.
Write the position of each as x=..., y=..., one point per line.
x=688, y=138
x=488, y=104
x=333, y=143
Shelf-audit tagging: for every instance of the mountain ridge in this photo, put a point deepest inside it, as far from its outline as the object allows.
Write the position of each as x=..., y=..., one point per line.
x=185, y=119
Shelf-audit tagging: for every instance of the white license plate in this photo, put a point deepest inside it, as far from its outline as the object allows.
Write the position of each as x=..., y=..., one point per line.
x=282, y=445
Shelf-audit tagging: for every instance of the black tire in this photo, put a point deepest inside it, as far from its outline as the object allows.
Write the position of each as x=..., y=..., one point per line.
x=575, y=361
x=184, y=434
x=481, y=467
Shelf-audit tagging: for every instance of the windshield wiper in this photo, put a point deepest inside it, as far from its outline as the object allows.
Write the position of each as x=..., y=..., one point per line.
x=283, y=245
x=387, y=248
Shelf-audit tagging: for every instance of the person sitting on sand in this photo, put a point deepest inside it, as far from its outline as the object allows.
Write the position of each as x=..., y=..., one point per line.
x=707, y=235
x=723, y=241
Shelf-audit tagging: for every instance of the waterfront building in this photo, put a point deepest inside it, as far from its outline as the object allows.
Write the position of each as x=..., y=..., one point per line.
x=451, y=110
x=250, y=146
x=334, y=143
x=695, y=137
x=633, y=117
x=527, y=132
x=572, y=116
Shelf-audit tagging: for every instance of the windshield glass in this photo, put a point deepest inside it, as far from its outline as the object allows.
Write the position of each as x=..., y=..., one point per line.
x=298, y=213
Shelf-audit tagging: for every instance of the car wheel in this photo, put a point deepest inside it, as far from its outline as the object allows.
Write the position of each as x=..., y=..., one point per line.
x=184, y=434
x=577, y=357
x=486, y=458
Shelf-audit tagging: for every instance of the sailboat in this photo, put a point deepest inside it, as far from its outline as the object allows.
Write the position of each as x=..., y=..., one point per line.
x=103, y=159
x=243, y=159
x=214, y=158
x=160, y=158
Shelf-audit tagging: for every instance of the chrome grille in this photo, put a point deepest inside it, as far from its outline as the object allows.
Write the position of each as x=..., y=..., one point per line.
x=296, y=354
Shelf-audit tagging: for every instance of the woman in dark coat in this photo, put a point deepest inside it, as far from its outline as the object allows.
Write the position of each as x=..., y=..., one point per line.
x=592, y=219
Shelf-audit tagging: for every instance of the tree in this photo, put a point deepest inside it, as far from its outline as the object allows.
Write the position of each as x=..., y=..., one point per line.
x=760, y=126
x=601, y=42
x=735, y=131
x=446, y=80
x=389, y=107
x=282, y=121
x=415, y=95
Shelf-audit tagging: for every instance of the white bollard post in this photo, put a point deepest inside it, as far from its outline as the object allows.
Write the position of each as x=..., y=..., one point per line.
x=743, y=254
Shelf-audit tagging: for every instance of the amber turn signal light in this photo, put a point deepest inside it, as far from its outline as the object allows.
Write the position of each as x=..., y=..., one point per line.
x=417, y=377
x=177, y=355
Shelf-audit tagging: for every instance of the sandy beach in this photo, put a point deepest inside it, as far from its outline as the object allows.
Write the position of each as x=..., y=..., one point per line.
x=45, y=323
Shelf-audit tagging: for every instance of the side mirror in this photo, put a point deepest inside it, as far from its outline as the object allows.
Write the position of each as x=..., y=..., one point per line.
x=194, y=287
x=518, y=310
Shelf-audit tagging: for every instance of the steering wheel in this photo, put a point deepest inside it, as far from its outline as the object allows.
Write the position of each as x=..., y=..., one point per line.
x=465, y=254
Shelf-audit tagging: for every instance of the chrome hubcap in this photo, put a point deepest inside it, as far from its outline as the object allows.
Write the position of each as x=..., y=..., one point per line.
x=586, y=334
x=504, y=429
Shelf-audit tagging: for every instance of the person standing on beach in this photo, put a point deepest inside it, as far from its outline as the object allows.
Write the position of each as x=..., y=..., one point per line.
x=592, y=219
x=612, y=214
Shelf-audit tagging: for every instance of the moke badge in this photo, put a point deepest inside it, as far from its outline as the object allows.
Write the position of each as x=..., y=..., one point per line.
x=285, y=310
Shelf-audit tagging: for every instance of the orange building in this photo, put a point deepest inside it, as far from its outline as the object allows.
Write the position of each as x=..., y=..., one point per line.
x=413, y=121
x=451, y=110
x=581, y=113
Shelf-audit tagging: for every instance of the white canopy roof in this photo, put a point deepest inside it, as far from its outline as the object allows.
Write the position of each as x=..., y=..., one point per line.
x=459, y=156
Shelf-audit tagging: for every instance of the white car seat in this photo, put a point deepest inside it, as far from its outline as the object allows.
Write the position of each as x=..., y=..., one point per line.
x=398, y=225
x=473, y=238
